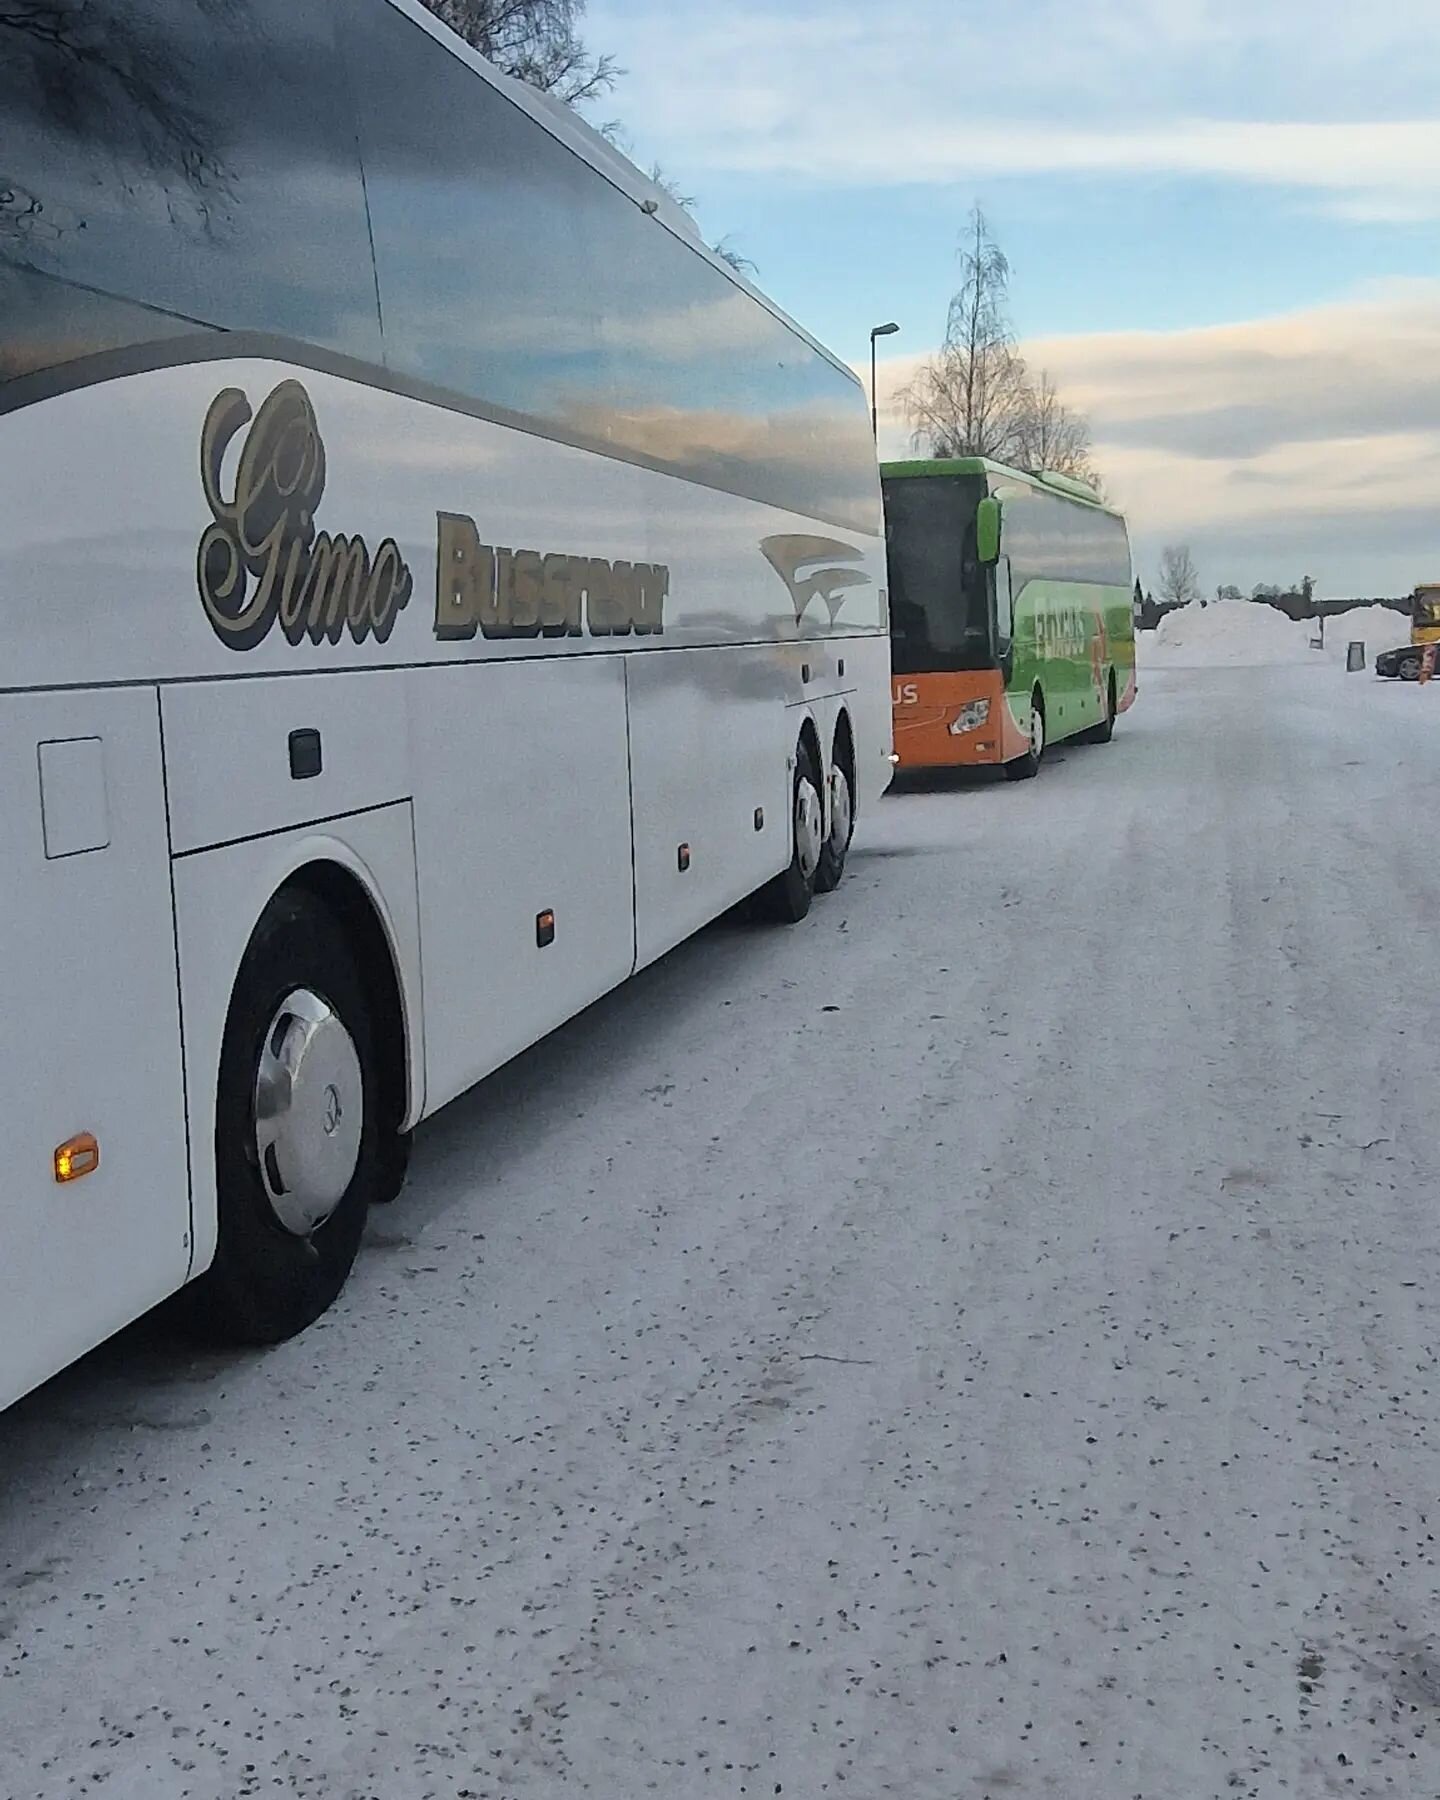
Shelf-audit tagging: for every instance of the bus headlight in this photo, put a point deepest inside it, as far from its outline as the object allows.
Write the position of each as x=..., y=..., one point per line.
x=970, y=717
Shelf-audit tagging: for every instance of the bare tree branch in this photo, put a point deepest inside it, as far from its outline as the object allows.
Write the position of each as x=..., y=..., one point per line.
x=667, y=183
x=108, y=74
x=1049, y=435
x=536, y=41
x=737, y=260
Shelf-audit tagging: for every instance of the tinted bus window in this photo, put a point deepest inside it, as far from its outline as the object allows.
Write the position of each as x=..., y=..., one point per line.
x=196, y=157
x=704, y=379
x=939, y=602
x=515, y=275
x=1050, y=539
x=44, y=322
x=484, y=244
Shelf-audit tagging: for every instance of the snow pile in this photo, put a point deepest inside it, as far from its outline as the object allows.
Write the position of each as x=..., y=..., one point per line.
x=1227, y=634
x=1248, y=633
x=1376, y=627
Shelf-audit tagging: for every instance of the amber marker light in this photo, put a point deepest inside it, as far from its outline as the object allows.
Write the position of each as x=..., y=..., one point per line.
x=77, y=1156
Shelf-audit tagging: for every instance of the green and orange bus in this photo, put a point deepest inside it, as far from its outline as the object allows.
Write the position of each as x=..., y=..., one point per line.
x=1011, y=613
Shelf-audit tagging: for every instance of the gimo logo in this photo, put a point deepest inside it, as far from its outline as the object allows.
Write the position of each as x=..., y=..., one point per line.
x=262, y=561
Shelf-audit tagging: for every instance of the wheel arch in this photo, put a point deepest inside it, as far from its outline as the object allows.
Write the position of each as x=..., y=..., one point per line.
x=843, y=752
x=809, y=736
x=357, y=903
x=365, y=867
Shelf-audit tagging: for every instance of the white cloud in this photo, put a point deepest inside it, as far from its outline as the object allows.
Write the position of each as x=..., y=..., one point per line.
x=1333, y=99
x=1384, y=169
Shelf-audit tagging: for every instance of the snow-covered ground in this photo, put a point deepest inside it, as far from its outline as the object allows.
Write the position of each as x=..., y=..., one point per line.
x=1247, y=634
x=983, y=1341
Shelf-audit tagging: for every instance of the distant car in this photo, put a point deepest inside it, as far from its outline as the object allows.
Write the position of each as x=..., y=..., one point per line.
x=1404, y=662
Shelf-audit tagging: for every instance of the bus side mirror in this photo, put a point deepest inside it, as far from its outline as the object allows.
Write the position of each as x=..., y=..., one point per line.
x=987, y=530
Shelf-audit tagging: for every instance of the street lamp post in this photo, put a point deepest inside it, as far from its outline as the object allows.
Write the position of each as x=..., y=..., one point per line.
x=877, y=331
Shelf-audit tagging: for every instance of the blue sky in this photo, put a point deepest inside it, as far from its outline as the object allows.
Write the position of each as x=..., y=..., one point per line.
x=1222, y=217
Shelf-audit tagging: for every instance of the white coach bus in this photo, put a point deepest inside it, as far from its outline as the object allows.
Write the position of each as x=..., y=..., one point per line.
x=432, y=585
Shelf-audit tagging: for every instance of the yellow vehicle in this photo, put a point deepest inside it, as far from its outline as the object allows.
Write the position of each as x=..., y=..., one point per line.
x=1404, y=662
x=1425, y=614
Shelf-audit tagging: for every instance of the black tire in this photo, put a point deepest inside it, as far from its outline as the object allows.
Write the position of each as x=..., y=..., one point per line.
x=267, y=1283
x=1105, y=730
x=394, y=1166
x=1026, y=767
x=786, y=899
x=1409, y=668
x=835, y=849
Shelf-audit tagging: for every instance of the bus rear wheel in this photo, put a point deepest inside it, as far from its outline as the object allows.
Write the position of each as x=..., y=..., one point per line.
x=1024, y=768
x=842, y=828
x=298, y=1145
x=787, y=897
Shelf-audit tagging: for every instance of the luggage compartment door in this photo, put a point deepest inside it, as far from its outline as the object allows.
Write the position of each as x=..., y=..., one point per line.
x=89, y=1028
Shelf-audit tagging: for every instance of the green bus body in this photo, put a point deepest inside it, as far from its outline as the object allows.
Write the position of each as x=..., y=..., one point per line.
x=1051, y=618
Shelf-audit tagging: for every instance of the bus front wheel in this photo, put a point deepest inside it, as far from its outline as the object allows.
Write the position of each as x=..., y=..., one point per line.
x=1023, y=768
x=298, y=1150
x=787, y=897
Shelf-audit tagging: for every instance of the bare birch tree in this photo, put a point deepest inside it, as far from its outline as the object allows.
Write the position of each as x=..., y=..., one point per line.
x=1179, y=584
x=967, y=399
x=975, y=396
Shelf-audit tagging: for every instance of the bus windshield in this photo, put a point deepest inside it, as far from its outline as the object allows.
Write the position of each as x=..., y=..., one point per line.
x=939, y=604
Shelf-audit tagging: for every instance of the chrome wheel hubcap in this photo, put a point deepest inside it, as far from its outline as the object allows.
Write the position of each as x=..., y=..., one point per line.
x=309, y=1112
x=809, y=827
x=1037, y=733
x=839, y=812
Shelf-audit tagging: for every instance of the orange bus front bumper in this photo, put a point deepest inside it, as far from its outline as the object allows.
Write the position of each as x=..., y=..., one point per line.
x=929, y=708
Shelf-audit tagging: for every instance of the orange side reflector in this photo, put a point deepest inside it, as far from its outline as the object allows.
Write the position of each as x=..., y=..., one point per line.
x=77, y=1156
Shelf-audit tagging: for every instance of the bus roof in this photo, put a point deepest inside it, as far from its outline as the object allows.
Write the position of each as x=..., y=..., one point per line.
x=1050, y=482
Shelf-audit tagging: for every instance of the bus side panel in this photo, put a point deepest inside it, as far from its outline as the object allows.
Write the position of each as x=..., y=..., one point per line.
x=1068, y=637
x=91, y=1033
x=219, y=897
x=522, y=808
x=1120, y=629
x=248, y=758
x=710, y=743
x=872, y=717
x=1050, y=617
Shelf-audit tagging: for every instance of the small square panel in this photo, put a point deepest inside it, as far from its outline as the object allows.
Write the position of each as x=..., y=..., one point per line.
x=73, y=805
